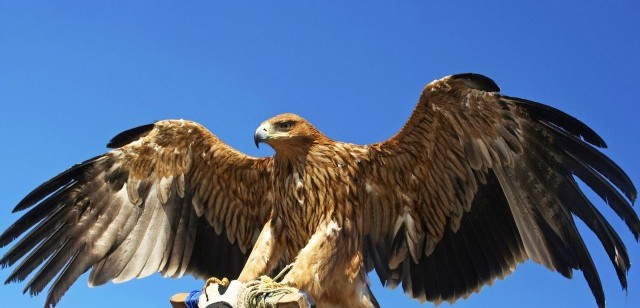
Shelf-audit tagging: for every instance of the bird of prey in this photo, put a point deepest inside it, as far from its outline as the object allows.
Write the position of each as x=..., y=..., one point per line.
x=475, y=183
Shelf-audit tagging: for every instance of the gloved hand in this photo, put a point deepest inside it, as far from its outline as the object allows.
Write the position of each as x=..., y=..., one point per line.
x=219, y=296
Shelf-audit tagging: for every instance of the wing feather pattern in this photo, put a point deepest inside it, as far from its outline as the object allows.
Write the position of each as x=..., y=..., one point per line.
x=167, y=199
x=477, y=182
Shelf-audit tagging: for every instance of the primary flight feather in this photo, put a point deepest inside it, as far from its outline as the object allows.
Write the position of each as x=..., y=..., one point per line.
x=475, y=183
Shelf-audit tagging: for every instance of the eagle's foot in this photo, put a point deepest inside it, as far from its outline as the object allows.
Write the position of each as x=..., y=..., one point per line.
x=224, y=282
x=271, y=283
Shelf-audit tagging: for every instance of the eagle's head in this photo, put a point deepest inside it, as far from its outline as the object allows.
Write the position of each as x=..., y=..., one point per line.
x=287, y=131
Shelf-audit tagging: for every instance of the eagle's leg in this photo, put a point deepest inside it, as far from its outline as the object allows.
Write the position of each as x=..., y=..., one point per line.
x=264, y=255
x=330, y=268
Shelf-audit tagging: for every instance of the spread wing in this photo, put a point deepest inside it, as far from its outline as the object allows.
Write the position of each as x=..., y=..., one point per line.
x=170, y=198
x=477, y=182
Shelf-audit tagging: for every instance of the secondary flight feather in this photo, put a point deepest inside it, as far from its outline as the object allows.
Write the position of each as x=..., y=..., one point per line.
x=475, y=183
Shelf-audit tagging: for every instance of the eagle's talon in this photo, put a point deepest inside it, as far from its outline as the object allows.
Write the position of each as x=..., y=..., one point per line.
x=266, y=280
x=224, y=282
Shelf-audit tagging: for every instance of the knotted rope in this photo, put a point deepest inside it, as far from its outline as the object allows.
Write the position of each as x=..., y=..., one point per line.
x=258, y=292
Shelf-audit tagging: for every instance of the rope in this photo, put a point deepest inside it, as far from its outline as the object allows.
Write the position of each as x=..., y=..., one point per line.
x=259, y=290
x=191, y=301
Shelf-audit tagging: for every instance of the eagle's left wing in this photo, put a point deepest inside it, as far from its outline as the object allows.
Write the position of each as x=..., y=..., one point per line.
x=477, y=182
x=170, y=197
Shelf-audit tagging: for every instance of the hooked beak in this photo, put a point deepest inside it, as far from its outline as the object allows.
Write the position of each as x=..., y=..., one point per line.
x=261, y=135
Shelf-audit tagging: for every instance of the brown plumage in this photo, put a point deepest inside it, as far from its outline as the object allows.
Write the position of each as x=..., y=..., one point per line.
x=474, y=183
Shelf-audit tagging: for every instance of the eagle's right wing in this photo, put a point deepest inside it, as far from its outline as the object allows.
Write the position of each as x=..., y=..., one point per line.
x=477, y=182
x=170, y=198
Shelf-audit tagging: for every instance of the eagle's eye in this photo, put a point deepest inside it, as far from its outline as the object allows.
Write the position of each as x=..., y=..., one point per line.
x=285, y=125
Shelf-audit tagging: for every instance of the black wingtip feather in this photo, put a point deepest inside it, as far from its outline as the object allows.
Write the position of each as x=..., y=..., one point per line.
x=129, y=135
x=54, y=184
x=559, y=118
x=477, y=81
x=34, y=215
x=596, y=160
x=607, y=192
x=582, y=207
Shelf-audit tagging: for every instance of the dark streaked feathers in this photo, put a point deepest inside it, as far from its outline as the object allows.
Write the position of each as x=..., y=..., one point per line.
x=549, y=114
x=491, y=169
x=485, y=247
x=128, y=213
x=53, y=184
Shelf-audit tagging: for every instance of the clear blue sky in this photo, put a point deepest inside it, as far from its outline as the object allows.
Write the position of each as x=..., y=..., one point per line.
x=74, y=73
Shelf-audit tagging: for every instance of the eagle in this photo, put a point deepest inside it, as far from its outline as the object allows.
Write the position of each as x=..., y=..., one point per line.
x=473, y=184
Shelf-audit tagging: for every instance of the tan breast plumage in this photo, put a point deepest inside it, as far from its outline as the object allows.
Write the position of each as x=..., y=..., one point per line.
x=315, y=190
